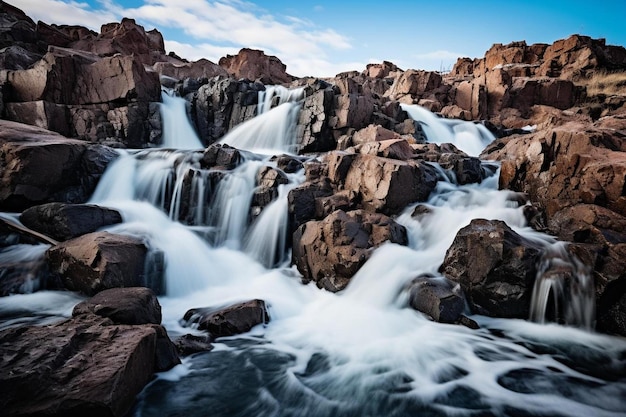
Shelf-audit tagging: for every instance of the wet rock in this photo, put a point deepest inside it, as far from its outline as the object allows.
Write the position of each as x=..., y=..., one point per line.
x=189, y=344
x=302, y=199
x=65, y=221
x=87, y=366
x=437, y=297
x=329, y=252
x=253, y=65
x=495, y=267
x=228, y=321
x=40, y=166
x=268, y=180
x=23, y=269
x=222, y=156
x=385, y=185
x=135, y=305
x=98, y=261
x=289, y=164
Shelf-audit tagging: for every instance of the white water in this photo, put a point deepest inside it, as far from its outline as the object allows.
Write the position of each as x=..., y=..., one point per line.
x=469, y=137
x=379, y=357
x=273, y=130
x=177, y=131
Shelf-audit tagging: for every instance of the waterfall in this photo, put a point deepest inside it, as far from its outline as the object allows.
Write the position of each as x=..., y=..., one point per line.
x=564, y=291
x=469, y=137
x=273, y=130
x=177, y=131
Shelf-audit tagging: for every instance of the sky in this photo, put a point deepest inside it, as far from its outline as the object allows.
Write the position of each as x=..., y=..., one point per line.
x=325, y=37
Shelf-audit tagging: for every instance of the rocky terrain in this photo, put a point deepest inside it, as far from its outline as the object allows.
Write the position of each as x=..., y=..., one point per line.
x=69, y=95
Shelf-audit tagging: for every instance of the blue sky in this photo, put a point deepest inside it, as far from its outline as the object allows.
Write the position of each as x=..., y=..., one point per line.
x=325, y=37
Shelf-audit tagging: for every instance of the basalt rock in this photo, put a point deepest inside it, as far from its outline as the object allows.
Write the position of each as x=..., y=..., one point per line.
x=228, y=321
x=495, y=267
x=437, y=297
x=65, y=221
x=88, y=365
x=253, y=65
x=98, y=261
x=40, y=166
x=329, y=252
x=313, y=130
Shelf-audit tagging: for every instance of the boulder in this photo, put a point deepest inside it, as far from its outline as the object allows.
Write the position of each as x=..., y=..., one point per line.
x=352, y=111
x=439, y=298
x=253, y=64
x=329, y=252
x=302, y=201
x=313, y=130
x=385, y=185
x=567, y=165
x=98, y=261
x=392, y=148
x=40, y=166
x=414, y=83
x=88, y=365
x=495, y=267
x=135, y=305
x=381, y=70
x=228, y=321
x=65, y=221
x=373, y=133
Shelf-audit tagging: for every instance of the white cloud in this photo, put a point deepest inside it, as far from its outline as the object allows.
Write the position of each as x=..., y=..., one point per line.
x=213, y=27
x=440, y=54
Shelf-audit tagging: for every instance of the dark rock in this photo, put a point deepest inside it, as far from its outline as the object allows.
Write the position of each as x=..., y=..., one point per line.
x=495, y=267
x=87, y=366
x=437, y=297
x=40, y=166
x=98, y=261
x=329, y=252
x=189, y=344
x=289, y=164
x=253, y=65
x=223, y=156
x=228, y=321
x=313, y=130
x=136, y=305
x=15, y=57
x=301, y=201
x=65, y=221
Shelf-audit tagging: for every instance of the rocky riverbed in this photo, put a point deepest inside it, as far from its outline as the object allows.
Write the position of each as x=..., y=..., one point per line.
x=361, y=169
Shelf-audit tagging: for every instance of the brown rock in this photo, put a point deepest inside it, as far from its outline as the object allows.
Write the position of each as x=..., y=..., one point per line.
x=87, y=366
x=98, y=261
x=65, y=221
x=373, y=133
x=137, y=305
x=332, y=250
x=313, y=131
x=253, y=65
x=437, y=297
x=495, y=267
x=391, y=148
x=352, y=111
x=414, y=83
x=228, y=321
x=472, y=96
x=203, y=68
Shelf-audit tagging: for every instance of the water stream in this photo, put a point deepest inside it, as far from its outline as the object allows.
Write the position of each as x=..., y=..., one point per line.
x=361, y=352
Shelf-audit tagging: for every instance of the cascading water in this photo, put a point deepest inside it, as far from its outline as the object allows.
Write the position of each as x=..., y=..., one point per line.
x=359, y=352
x=469, y=137
x=177, y=131
x=564, y=291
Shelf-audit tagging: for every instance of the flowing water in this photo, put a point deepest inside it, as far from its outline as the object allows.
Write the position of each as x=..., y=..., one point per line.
x=361, y=352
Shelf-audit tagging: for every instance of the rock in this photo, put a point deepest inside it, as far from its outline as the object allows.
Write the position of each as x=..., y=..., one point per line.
x=565, y=166
x=189, y=344
x=313, y=130
x=98, y=261
x=385, y=185
x=393, y=148
x=352, y=111
x=254, y=65
x=40, y=166
x=301, y=201
x=495, y=267
x=437, y=297
x=87, y=366
x=202, y=68
x=135, y=305
x=222, y=104
x=15, y=57
x=382, y=70
x=221, y=156
x=329, y=252
x=268, y=180
x=65, y=221
x=23, y=269
x=373, y=133
x=414, y=83
x=228, y=321
x=16, y=28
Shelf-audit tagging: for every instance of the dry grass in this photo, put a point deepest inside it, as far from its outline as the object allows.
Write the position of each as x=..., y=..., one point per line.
x=607, y=83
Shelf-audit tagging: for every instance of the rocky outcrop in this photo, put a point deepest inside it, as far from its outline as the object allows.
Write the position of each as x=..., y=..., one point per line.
x=98, y=261
x=254, y=65
x=40, y=166
x=89, y=364
x=329, y=252
x=202, y=68
x=495, y=267
x=228, y=321
x=65, y=221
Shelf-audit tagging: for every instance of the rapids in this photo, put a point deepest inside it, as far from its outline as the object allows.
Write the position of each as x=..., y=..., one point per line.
x=361, y=352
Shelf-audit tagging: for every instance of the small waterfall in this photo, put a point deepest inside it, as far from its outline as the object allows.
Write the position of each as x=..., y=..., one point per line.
x=178, y=133
x=273, y=130
x=271, y=226
x=469, y=137
x=564, y=290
